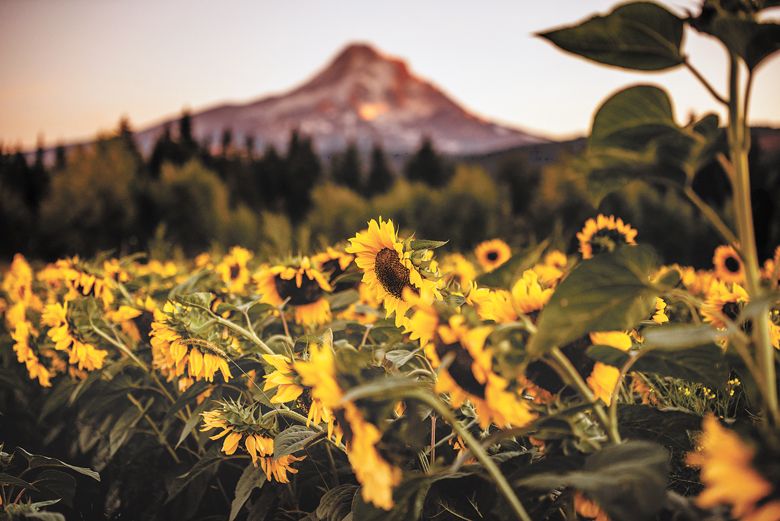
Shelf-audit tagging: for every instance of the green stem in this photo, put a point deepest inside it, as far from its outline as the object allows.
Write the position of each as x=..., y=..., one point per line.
x=576, y=380
x=739, y=144
x=161, y=438
x=476, y=449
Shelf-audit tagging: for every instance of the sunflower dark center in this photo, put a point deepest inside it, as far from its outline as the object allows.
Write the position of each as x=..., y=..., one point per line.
x=393, y=275
x=460, y=368
x=732, y=264
x=235, y=269
x=606, y=240
x=308, y=293
x=731, y=310
x=492, y=255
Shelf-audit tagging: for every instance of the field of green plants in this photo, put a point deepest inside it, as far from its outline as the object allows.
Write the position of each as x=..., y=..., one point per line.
x=390, y=377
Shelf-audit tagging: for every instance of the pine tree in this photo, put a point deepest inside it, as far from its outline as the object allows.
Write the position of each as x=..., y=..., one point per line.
x=303, y=172
x=380, y=177
x=346, y=169
x=426, y=166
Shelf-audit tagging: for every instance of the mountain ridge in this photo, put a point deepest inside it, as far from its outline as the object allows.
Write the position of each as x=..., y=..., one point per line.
x=362, y=95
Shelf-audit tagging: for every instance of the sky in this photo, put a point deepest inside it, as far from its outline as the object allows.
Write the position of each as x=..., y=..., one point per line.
x=70, y=68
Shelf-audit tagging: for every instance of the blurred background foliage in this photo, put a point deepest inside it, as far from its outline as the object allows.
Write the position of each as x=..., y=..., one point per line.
x=191, y=197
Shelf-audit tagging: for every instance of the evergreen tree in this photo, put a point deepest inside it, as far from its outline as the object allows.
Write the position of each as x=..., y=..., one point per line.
x=303, y=172
x=426, y=166
x=346, y=169
x=521, y=182
x=60, y=157
x=380, y=177
x=226, y=142
x=37, y=181
x=162, y=152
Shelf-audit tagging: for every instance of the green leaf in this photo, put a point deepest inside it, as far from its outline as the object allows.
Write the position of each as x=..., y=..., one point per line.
x=55, y=484
x=638, y=36
x=399, y=357
x=609, y=292
x=382, y=388
x=36, y=461
x=749, y=39
x=7, y=479
x=336, y=503
x=628, y=481
x=637, y=113
x=192, y=421
x=343, y=299
x=422, y=244
x=703, y=364
x=44, y=516
x=252, y=477
x=293, y=439
x=203, y=467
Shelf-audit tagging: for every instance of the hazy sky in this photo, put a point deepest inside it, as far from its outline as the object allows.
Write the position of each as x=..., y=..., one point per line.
x=69, y=68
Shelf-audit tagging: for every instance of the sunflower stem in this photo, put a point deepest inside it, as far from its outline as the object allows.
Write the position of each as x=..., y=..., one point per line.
x=576, y=380
x=476, y=448
x=739, y=144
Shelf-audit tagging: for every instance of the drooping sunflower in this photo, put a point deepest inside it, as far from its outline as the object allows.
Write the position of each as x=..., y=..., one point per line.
x=604, y=234
x=303, y=286
x=27, y=356
x=729, y=475
x=728, y=264
x=80, y=353
x=470, y=376
x=492, y=254
x=603, y=378
x=233, y=269
x=377, y=477
x=241, y=424
x=176, y=354
x=387, y=267
x=771, y=269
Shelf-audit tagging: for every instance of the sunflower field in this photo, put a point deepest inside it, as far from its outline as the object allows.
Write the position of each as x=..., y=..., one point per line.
x=388, y=377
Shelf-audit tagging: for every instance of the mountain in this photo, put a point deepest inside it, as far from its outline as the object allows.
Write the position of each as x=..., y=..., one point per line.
x=362, y=96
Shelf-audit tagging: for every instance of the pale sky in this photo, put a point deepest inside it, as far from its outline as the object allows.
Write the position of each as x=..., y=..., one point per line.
x=69, y=68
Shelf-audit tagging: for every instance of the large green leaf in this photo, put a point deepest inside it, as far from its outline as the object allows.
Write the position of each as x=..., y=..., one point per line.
x=628, y=481
x=747, y=38
x=634, y=114
x=639, y=36
x=608, y=292
x=293, y=439
x=252, y=477
x=37, y=461
x=703, y=364
x=336, y=503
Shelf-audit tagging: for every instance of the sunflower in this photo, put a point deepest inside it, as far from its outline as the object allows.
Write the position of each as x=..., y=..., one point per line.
x=469, y=375
x=588, y=509
x=82, y=354
x=283, y=379
x=239, y=424
x=377, y=477
x=723, y=300
x=176, y=354
x=527, y=297
x=25, y=354
x=660, y=316
x=387, y=267
x=459, y=269
x=300, y=284
x=604, y=234
x=603, y=378
x=729, y=478
x=17, y=283
x=728, y=264
x=551, y=270
x=334, y=263
x=233, y=269
x=492, y=254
